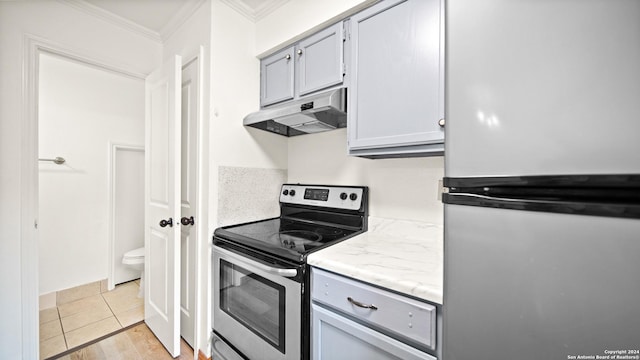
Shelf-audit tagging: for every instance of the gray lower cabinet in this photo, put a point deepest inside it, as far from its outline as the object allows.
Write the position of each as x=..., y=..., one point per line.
x=396, y=94
x=351, y=320
x=315, y=63
x=337, y=338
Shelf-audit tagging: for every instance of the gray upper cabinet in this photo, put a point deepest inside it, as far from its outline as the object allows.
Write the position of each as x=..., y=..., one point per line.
x=320, y=60
x=396, y=97
x=315, y=63
x=276, y=77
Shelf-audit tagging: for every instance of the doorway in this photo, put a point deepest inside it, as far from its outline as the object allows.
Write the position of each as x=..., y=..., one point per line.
x=190, y=150
x=83, y=110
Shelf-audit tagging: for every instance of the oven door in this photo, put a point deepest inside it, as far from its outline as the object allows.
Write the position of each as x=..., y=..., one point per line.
x=257, y=307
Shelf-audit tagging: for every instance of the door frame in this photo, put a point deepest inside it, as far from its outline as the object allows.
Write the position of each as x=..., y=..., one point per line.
x=112, y=174
x=33, y=46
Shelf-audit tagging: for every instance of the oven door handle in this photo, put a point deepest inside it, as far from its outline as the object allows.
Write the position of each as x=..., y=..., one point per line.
x=289, y=273
x=276, y=271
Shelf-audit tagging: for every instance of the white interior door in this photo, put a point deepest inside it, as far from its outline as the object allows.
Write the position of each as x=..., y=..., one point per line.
x=162, y=203
x=190, y=111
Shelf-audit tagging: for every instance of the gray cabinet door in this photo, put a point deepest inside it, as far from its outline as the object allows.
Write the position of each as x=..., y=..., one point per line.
x=397, y=78
x=320, y=60
x=276, y=77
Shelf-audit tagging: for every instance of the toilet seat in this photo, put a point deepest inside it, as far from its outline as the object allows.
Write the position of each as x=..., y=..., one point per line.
x=135, y=260
x=135, y=256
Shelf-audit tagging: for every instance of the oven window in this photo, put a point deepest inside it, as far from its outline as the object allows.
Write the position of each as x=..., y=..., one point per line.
x=255, y=302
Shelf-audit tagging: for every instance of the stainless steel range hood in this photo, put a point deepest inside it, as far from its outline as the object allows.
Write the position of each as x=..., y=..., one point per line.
x=315, y=113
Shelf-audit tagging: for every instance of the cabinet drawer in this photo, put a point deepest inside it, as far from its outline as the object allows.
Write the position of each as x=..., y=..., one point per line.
x=397, y=315
x=338, y=338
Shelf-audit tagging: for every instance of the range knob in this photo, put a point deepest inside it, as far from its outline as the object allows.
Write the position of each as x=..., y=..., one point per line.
x=292, y=192
x=343, y=196
x=285, y=192
x=353, y=196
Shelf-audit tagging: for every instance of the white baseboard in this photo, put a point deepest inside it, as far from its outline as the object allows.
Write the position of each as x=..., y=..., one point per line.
x=47, y=301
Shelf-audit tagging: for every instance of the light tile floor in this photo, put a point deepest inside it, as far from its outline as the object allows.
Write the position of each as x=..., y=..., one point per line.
x=85, y=316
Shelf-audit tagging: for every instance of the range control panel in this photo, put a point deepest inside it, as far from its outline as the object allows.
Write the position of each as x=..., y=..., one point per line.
x=347, y=197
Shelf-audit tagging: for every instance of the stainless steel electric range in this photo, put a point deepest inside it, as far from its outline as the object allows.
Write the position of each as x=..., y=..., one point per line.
x=260, y=275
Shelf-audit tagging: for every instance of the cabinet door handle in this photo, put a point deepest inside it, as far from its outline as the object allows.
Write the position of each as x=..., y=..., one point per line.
x=441, y=122
x=288, y=57
x=362, y=305
x=299, y=51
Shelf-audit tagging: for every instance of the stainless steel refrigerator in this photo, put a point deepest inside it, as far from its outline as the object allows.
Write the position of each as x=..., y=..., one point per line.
x=542, y=161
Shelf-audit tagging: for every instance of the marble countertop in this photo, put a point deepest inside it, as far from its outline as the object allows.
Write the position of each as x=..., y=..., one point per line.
x=405, y=256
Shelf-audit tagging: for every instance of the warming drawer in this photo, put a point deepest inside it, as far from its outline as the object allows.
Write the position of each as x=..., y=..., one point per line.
x=399, y=316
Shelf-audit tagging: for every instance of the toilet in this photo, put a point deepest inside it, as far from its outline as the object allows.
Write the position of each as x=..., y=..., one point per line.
x=135, y=260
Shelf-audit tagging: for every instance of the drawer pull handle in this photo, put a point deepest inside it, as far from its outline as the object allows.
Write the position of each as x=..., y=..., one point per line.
x=359, y=304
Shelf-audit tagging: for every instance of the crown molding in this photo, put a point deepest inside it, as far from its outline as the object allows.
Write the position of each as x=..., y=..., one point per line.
x=185, y=12
x=113, y=19
x=188, y=8
x=267, y=7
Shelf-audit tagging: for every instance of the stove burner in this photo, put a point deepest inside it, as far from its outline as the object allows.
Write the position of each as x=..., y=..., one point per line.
x=294, y=238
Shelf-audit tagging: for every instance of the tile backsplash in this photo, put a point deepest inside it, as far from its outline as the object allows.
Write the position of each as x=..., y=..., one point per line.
x=248, y=194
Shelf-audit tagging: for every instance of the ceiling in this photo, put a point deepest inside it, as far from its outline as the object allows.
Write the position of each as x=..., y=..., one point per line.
x=159, y=18
x=152, y=14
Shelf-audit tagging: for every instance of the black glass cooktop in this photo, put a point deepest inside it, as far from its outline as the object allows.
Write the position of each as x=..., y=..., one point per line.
x=283, y=237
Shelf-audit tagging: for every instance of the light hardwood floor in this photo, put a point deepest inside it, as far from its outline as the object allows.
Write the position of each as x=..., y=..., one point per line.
x=136, y=343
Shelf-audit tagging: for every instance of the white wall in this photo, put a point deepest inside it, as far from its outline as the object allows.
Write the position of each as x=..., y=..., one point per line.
x=235, y=93
x=399, y=188
x=56, y=22
x=81, y=110
x=296, y=17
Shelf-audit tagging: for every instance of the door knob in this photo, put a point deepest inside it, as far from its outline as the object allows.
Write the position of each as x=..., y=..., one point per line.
x=441, y=122
x=299, y=52
x=164, y=223
x=187, y=221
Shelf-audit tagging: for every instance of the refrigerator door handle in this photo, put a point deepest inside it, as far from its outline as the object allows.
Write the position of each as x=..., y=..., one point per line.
x=549, y=204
